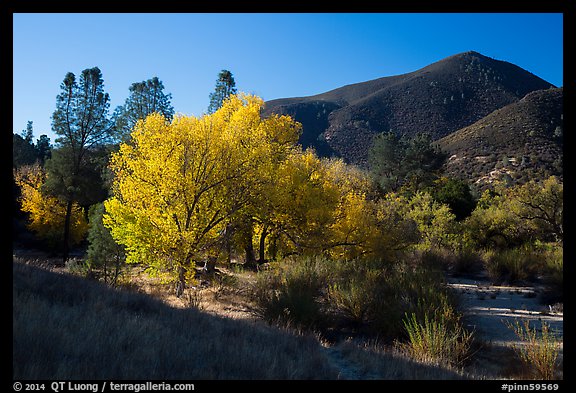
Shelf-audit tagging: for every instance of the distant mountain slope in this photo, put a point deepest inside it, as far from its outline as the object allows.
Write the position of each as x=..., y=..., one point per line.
x=521, y=141
x=438, y=99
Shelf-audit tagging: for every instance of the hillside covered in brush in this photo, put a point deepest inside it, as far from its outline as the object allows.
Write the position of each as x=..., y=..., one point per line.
x=516, y=143
x=438, y=99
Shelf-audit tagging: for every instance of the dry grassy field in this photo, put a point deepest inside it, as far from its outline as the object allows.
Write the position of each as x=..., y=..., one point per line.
x=68, y=327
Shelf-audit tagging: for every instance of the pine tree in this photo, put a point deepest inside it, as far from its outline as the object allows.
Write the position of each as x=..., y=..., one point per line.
x=43, y=148
x=145, y=98
x=82, y=123
x=225, y=86
x=28, y=133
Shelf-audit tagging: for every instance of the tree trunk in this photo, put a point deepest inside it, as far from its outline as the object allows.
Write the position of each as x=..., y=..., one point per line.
x=181, y=284
x=210, y=265
x=263, y=235
x=273, y=247
x=250, y=257
x=67, y=220
x=228, y=243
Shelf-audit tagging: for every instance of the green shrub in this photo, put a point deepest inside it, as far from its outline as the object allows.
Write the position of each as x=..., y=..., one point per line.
x=289, y=292
x=514, y=265
x=376, y=296
x=370, y=299
x=464, y=260
x=353, y=296
x=78, y=267
x=436, y=340
x=553, y=271
x=370, y=296
x=436, y=258
x=539, y=352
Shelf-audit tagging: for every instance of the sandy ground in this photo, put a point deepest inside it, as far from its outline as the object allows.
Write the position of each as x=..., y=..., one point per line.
x=490, y=309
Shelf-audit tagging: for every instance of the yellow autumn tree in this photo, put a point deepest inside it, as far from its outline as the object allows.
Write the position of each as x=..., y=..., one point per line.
x=47, y=213
x=178, y=185
x=303, y=203
x=354, y=223
x=315, y=206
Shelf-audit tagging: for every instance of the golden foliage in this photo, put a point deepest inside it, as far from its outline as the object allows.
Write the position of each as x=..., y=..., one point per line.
x=47, y=213
x=179, y=184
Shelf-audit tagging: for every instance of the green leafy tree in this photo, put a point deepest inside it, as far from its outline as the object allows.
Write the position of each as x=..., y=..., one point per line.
x=82, y=123
x=422, y=160
x=145, y=98
x=103, y=252
x=492, y=224
x=435, y=221
x=541, y=206
x=454, y=193
x=225, y=87
x=397, y=162
x=511, y=217
x=385, y=159
x=87, y=186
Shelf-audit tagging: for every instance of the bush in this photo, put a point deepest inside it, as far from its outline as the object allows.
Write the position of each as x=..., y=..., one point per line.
x=553, y=270
x=352, y=297
x=369, y=296
x=515, y=265
x=375, y=296
x=436, y=340
x=539, y=353
x=526, y=263
x=77, y=267
x=465, y=260
x=288, y=293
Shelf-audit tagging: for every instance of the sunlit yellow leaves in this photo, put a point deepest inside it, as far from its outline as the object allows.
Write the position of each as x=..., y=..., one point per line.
x=179, y=184
x=47, y=213
x=184, y=189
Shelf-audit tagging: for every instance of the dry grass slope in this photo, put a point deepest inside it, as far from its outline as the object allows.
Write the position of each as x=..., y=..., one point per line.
x=67, y=327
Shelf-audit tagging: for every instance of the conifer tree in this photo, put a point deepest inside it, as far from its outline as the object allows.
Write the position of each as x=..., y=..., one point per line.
x=145, y=98
x=82, y=124
x=225, y=86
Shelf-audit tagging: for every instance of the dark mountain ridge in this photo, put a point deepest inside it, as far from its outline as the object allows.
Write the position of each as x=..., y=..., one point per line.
x=438, y=99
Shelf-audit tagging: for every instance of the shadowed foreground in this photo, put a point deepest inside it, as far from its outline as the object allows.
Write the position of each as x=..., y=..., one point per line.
x=65, y=327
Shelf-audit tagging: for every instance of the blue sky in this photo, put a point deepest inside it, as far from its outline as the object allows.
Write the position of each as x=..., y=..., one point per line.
x=271, y=55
